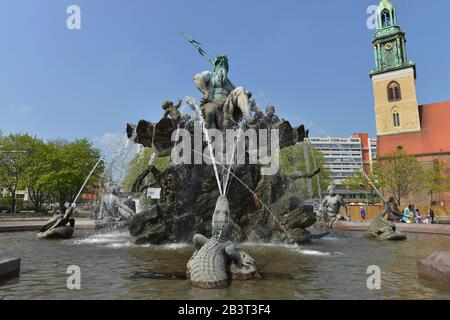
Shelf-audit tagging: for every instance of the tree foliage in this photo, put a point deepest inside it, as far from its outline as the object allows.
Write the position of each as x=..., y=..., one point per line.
x=67, y=167
x=358, y=181
x=53, y=171
x=16, y=151
x=402, y=174
x=437, y=180
x=139, y=163
x=293, y=160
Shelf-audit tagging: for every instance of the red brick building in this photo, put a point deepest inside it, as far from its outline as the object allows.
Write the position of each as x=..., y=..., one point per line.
x=430, y=145
x=402, y=123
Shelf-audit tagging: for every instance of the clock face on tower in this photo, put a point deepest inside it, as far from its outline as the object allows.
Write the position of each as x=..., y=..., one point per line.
x=388, y=46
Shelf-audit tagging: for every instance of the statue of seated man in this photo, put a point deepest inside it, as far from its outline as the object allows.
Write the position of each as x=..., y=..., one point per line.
x=222, y=104
x=112, y=209
x=331, y=205
x=383, y=227
x=172, y=111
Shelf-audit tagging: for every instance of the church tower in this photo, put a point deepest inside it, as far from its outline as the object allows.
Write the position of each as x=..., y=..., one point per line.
x=393, y=79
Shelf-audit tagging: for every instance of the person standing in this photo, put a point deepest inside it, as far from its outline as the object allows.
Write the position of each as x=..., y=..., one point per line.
x=431, y=215
x=363, y=214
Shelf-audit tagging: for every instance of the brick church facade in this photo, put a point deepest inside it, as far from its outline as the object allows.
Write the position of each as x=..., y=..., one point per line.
x=403, y=123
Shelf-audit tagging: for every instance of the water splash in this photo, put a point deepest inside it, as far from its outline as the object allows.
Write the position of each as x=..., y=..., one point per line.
x=119, y=240
x=308, y=169
x=292, y=248
x=87, y=179
x=318, y=253
x=104, y=239
x=319, y=188
x=152, y=159
x=256, y=197
x=235, y=144
x=121, y=156
x=192, y=102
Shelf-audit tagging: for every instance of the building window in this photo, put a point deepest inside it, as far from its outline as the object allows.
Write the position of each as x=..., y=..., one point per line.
x=386, y=20
x=394, y=92
x=396, y=118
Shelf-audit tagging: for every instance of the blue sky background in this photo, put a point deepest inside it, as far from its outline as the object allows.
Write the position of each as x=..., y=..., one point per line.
x=309, y=58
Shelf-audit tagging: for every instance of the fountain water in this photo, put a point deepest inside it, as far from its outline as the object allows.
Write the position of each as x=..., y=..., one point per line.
x=308, y=168
x=235, y=144
x=88, y=177
x=256, y=197
x=123, y=153
x=192, y=101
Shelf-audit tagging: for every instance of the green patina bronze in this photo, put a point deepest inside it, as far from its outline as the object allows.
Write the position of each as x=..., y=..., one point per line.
x=389, y=42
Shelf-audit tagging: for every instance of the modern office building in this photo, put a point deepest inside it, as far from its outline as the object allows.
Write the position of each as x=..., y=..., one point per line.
x=344, y=156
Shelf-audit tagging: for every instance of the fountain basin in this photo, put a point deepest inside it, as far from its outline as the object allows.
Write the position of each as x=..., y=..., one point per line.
x=334, y=267
x=9, y=267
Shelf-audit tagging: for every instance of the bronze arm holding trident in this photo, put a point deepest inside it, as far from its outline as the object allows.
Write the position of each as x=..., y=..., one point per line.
x=223, y=104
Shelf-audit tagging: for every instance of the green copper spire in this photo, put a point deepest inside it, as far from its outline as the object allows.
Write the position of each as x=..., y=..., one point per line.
x=386, y=16
x=389, y=42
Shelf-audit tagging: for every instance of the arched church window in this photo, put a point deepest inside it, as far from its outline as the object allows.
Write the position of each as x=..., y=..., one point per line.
x=386, y=19
x=394, y=92
x=396, y=119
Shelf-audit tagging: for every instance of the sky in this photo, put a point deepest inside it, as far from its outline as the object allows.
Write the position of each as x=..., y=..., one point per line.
x=311, y=59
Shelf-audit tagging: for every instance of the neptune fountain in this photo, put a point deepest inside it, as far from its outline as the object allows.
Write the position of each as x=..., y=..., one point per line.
x=230, y=201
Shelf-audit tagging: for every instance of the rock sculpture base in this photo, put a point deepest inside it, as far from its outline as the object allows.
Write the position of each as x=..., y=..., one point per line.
x=435, y=268
x=382, y=229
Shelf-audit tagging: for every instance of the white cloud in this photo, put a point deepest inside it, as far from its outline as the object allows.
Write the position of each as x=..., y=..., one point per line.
x=111, y=143
x=108, y=139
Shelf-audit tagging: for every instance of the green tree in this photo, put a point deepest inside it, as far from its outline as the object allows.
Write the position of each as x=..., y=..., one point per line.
x=16, y=151
x=139, y=163
x=40, y=165
x=402, y=174
x=358, y=181
x=292, y=159
x=67, y=167
x=437, y=180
